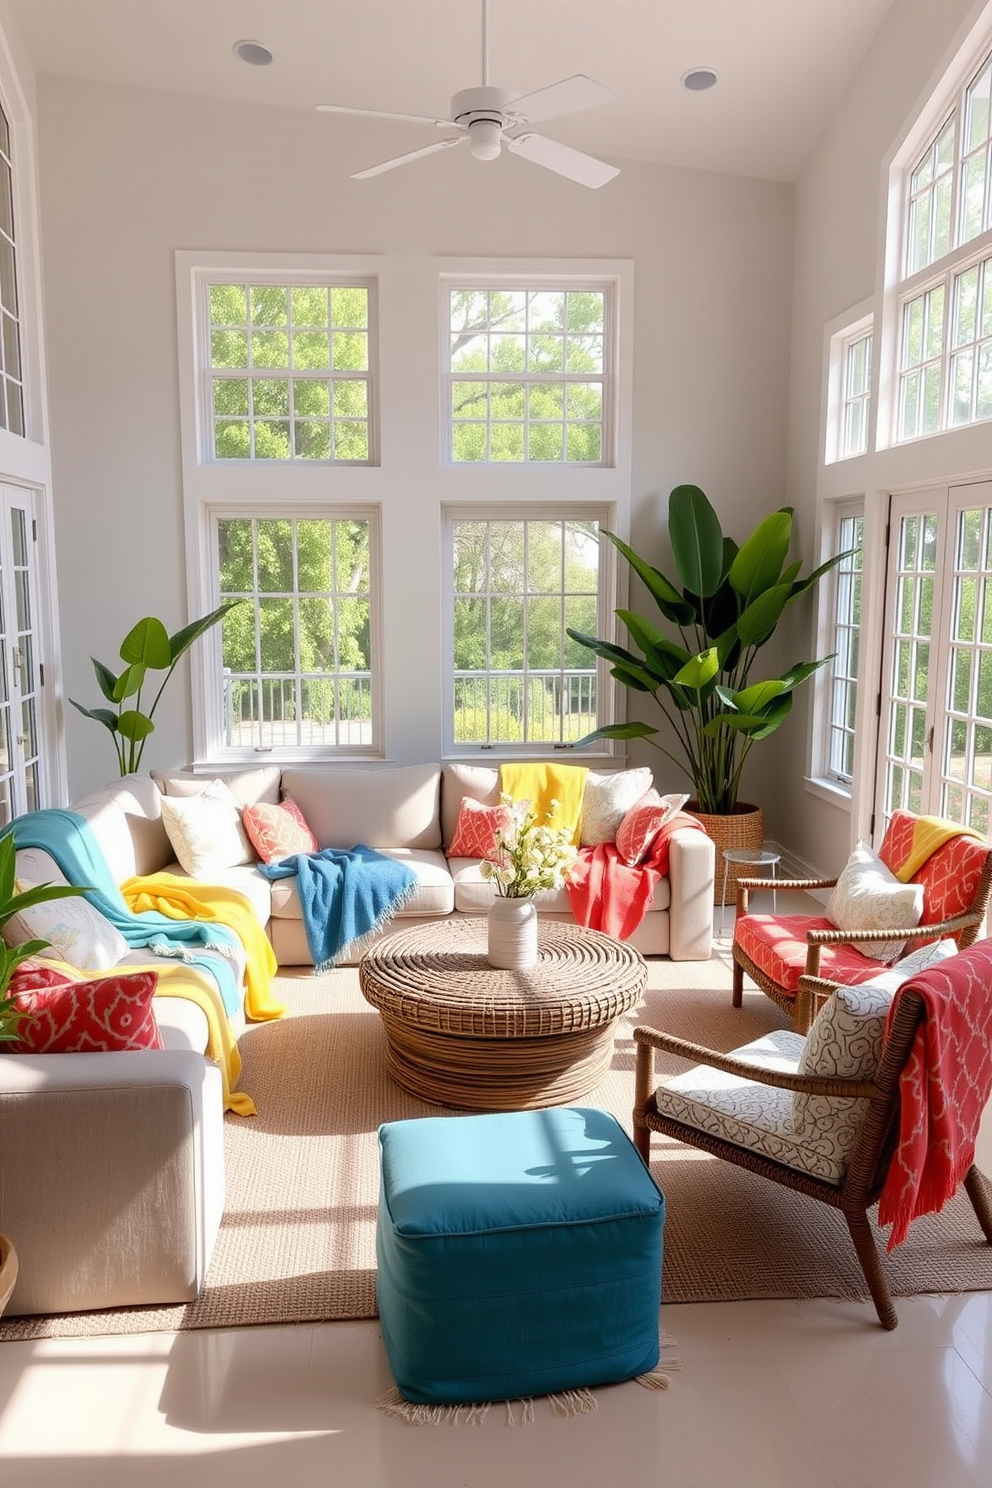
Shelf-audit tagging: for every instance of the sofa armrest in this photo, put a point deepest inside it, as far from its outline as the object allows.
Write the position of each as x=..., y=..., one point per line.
x=691, y=869
x=111, y=1176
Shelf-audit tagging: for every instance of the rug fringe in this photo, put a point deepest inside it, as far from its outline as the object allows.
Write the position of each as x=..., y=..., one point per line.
x=659, y=1378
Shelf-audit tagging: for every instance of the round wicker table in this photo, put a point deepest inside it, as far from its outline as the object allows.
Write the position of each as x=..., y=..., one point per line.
x=462, y=1033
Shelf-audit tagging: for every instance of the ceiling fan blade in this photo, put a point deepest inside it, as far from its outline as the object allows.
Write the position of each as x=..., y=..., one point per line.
x=566, y=97
x=585, y=169
x=388, y=165
x=337, y=108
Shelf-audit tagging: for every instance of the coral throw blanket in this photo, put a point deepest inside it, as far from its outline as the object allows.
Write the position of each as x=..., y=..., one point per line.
x=943, y=1088
x=915, y=839
x=543, y=784
x=607, y=895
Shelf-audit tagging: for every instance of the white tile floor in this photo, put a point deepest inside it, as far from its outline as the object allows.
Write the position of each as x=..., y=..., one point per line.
x=771, y=1395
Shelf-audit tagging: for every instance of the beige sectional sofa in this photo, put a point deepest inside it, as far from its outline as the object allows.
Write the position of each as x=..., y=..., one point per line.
x=112, y=1164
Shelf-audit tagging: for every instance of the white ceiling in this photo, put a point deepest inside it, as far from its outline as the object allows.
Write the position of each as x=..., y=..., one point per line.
x=783, y=64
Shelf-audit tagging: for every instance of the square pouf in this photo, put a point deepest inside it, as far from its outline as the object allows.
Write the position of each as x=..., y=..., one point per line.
x=519, y=1254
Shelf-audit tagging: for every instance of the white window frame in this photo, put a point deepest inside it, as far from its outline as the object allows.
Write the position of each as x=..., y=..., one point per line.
x=212, y=672
x=841, y=334
x=606, y=687
x=823, y=778
x=606, y=285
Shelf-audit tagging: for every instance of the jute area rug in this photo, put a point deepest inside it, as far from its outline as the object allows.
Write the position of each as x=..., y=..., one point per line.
x=298, y=1238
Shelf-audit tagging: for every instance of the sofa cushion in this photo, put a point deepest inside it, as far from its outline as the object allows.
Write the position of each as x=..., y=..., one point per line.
x=127, y=820
x=478, y=828
x=606, y=801
x=474, y=894
x=478, y=782
x=76, y=932
x=206, y=830
x=369, y=807
x=433, y=893
x=249, y=786
x=643, y=822
x=245, y=879
x=66, y=1017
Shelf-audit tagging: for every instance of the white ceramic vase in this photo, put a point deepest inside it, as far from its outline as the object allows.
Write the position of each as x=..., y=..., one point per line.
x=512, y=925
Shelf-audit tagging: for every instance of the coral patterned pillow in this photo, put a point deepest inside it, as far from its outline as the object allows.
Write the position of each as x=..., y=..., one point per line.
x=277, y=832
x=111, y=1013
x=642, y=824
x=477, y=829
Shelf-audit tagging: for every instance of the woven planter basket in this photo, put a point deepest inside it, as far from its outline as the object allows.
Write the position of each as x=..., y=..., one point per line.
x=745, y=828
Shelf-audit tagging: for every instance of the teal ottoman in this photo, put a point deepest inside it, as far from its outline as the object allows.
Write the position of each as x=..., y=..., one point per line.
x=519, y=1254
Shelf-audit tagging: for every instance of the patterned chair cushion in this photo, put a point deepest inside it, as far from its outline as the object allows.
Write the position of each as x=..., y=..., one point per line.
x=777, y=946
x=950, y=876
x=758, y=1116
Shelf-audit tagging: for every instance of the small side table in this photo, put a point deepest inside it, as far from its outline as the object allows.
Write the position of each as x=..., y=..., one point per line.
x=759, y=857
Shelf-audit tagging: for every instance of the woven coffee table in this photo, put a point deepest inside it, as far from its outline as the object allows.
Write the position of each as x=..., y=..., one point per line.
x=462, y=1033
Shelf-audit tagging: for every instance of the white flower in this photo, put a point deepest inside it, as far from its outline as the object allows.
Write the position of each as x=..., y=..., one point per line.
x=529, y=856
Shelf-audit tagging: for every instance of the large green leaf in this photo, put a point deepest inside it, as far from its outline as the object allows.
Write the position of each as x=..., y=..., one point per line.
x=106, y=680
x=802, y=670
x=662, y=654
x=636, y=678
x=697, y=540
x=699, y=671
x=135, y=725
x=753, y=725
x=755, y=699
x=99, y=715
x=817, y=574
x=758, y=621
x=663, y=592
x=147, y=643
x=183, y=639
x=618, y=731
x=129, y=682
x=759, y=563
x=606, y=649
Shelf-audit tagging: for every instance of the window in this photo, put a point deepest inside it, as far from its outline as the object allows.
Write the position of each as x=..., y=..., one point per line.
x=288, y=369
x=11, y=377
x=846, y=595
x=945, y=294
x=516, y=584
x=297, y=657
x=850, y=346
x=857, y=391
x=529, y=374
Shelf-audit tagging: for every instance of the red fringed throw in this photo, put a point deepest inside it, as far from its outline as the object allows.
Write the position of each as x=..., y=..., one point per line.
x=943, y=1088
x=607, y=895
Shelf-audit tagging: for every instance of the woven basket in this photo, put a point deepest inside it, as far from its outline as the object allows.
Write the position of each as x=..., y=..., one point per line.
x=8, y=1270
x=744, y=828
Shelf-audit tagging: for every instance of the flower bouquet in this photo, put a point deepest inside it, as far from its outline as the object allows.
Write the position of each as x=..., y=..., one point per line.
x=529, y=856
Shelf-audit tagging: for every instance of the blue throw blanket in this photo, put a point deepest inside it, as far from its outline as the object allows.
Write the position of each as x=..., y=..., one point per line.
x=69, y=839
x=345, y=895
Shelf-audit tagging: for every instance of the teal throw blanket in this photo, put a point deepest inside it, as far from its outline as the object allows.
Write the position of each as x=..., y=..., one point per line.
x=345, y=895
x=70, y=840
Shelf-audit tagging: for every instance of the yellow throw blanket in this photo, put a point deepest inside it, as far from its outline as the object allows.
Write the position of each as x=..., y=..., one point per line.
x=929, y=833
x=543, y=784
x=186, y=899
x=176, y=979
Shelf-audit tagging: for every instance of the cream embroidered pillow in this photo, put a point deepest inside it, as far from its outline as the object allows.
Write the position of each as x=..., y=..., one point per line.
x=206, y=831
x=77, y=933
x=606, y=801
x=867, y=896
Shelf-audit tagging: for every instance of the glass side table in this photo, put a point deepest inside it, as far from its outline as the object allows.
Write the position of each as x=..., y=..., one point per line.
x=753, y=857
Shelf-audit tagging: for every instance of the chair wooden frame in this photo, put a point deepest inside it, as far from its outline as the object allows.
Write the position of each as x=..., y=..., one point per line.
x=964, y=928
x=869, y=1162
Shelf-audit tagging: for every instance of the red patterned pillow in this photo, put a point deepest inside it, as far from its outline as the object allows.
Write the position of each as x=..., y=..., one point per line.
x=642, y=824
x=277, y=832
x=478, y=825
x=67, y=1017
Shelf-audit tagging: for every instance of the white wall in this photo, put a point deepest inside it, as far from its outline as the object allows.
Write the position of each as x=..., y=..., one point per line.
x=838, y=246
x=128, y=177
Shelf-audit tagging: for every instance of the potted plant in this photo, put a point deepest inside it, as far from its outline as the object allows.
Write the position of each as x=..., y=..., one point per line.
x=147, y=647
x=723, y=607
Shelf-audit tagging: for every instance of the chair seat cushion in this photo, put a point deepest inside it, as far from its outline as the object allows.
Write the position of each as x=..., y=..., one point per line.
x=760, y=1117
x=518, y=1253
x=777, y=946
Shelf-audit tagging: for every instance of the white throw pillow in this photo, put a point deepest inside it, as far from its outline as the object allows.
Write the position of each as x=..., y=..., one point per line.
x=868, y=896
x=206, y=830
x=606, y=801
x=77, y=933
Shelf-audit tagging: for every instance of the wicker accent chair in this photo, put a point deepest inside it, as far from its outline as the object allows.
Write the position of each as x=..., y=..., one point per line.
x=776, y=950
x=753, y=1126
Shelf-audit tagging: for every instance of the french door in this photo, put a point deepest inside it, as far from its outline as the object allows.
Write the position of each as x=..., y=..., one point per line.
x=935, y=740
x=21, y=670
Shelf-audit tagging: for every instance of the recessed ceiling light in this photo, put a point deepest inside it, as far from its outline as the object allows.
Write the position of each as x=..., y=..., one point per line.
x=698, y=79
x=253, y=52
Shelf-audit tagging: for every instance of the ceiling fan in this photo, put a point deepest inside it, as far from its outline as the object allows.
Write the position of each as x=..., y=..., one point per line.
x=488, y=118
